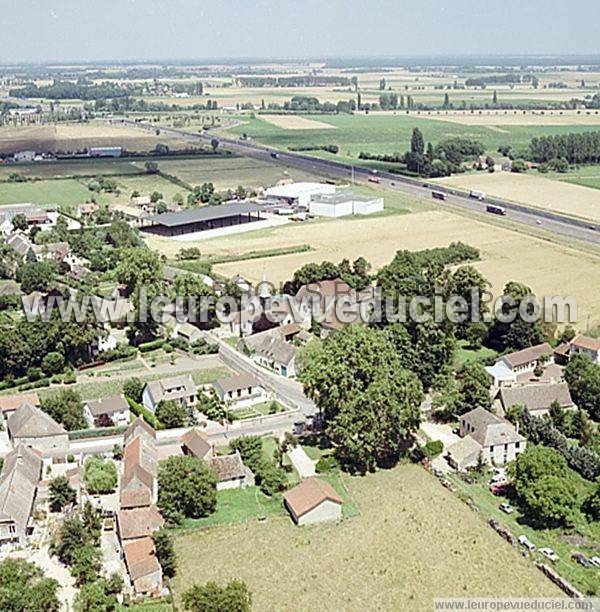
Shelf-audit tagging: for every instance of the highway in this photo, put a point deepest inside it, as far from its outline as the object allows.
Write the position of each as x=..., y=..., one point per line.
x=556, y=224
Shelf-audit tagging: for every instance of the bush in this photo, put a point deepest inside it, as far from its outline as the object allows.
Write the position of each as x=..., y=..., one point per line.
x=433, y=448
x=145, y=347
x=141, y=410
x=167, y=348
x=100, y=476
x=327, y=464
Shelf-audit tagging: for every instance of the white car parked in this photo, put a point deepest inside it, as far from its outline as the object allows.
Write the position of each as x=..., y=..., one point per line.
x=549, y=554
x=525, y=541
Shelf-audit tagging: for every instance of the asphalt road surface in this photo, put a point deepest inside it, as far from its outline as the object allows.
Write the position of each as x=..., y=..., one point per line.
x=555, y=224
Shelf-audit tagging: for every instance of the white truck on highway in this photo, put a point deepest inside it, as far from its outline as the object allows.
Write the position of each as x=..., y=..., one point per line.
x=478, y=195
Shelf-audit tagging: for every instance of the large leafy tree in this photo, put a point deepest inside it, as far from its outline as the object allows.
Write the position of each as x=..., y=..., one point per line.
x=61, y=493
x=583, y=378
x=468, y=283
x=211, y=597
x=165, y=552
x=100, y=476
x=474, y=387
x=66, y=407
x=172, y=414
x=188, y=287
x=553, y=501
x=187, y=487
x=23, y=588
x=370, y=403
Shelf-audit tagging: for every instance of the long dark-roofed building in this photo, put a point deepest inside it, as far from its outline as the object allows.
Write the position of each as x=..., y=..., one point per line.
x=202, y=218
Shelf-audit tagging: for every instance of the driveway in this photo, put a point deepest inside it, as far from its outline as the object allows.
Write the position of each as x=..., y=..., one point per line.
x=304, y=465
x=441, y=432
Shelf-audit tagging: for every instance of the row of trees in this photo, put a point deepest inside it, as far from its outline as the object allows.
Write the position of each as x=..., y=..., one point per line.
x=574, y=148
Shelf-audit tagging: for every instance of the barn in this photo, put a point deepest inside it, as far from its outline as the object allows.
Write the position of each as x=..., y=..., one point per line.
x=202, y=218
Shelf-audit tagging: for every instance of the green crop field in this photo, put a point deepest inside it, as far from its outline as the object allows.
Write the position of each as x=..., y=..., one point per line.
x=588, y=176
x=70, y=168
x=63, y=192
x=389, y=134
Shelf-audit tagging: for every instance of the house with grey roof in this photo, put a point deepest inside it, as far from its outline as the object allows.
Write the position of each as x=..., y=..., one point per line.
x=107, y=411
x=491, y=436
x=231, y=471
x=19, y=479
x=527, y=359
x=181, y=389
x=239, y=391
x=31, y=426
x=195, y=443
x=537, y=397
x=270, y=350
x=586, y=346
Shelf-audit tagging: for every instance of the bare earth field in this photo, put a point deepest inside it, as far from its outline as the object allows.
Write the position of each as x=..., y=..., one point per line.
x=550, y=269
x=413, y=541
x=296, y=122
x=75, y=136
x=535, y=190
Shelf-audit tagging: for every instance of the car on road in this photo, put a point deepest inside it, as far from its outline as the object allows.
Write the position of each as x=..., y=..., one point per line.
x=527, y=543
x=507, y=508
x=549, y=554
x=274, y=155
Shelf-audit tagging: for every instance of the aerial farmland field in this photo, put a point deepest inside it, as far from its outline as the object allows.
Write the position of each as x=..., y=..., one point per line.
x=412, y=541
x=534, y=189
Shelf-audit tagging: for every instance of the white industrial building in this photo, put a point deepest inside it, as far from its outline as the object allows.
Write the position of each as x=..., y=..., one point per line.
x=344, y=203
x=297, y=194
x=105, y=151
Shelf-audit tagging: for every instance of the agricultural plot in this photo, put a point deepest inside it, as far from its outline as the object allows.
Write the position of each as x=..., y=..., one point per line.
x=412, y=541
x=534, y=190
x=79, y=136
x=297, y=122
x=63, y=192
x=506, y=254
x=70, y=168
x=229, y=172
x=586, y=176
x=389, y=133
x=489, y=118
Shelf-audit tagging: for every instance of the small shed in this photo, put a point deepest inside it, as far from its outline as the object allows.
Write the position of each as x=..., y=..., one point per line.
x=313, y=501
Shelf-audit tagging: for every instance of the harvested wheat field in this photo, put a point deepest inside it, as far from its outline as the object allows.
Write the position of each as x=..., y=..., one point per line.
x=413, y=541
x=296, y=122
x=534, y=190
x=77, y=136
x=511, y=117
x=506, y=254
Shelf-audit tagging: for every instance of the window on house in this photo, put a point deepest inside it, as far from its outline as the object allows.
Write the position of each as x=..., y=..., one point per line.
x=517, y=445
x=491, y=449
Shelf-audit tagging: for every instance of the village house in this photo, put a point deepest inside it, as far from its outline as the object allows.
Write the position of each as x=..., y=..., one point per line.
x=231, y=471
x=31, y=426
x=179, y=388
x=87, y=209
x=526, y=360
x=19, y=479
x=10, y=403
x=493, y=438
x=138, y=523
x=586, y=346
x=140, y=428
x=107, y=411
x=313, y=501
x=195, y=443
x=143, y=569
x=140, y=466
x=239, y=391
x=537, y=397
x=270, y=350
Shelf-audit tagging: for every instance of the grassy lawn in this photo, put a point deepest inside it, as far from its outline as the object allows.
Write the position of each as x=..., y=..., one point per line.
x=465, y=354
x=67, y=193
x=588, y=176
x=412, y=541
x=104, y=388
x=584, y=579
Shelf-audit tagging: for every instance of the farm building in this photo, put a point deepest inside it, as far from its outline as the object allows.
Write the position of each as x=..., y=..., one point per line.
x=344, y=203
x=105, y=151
x=313, y=501
x=297, y=195
x=201, y=219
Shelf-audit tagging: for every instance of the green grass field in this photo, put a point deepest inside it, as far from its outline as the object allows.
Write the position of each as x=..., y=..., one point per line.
x=562, y=542
x=69, y=168
x=63, y=192
x=588, y=176
x=411, y=542
x=390, y=134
